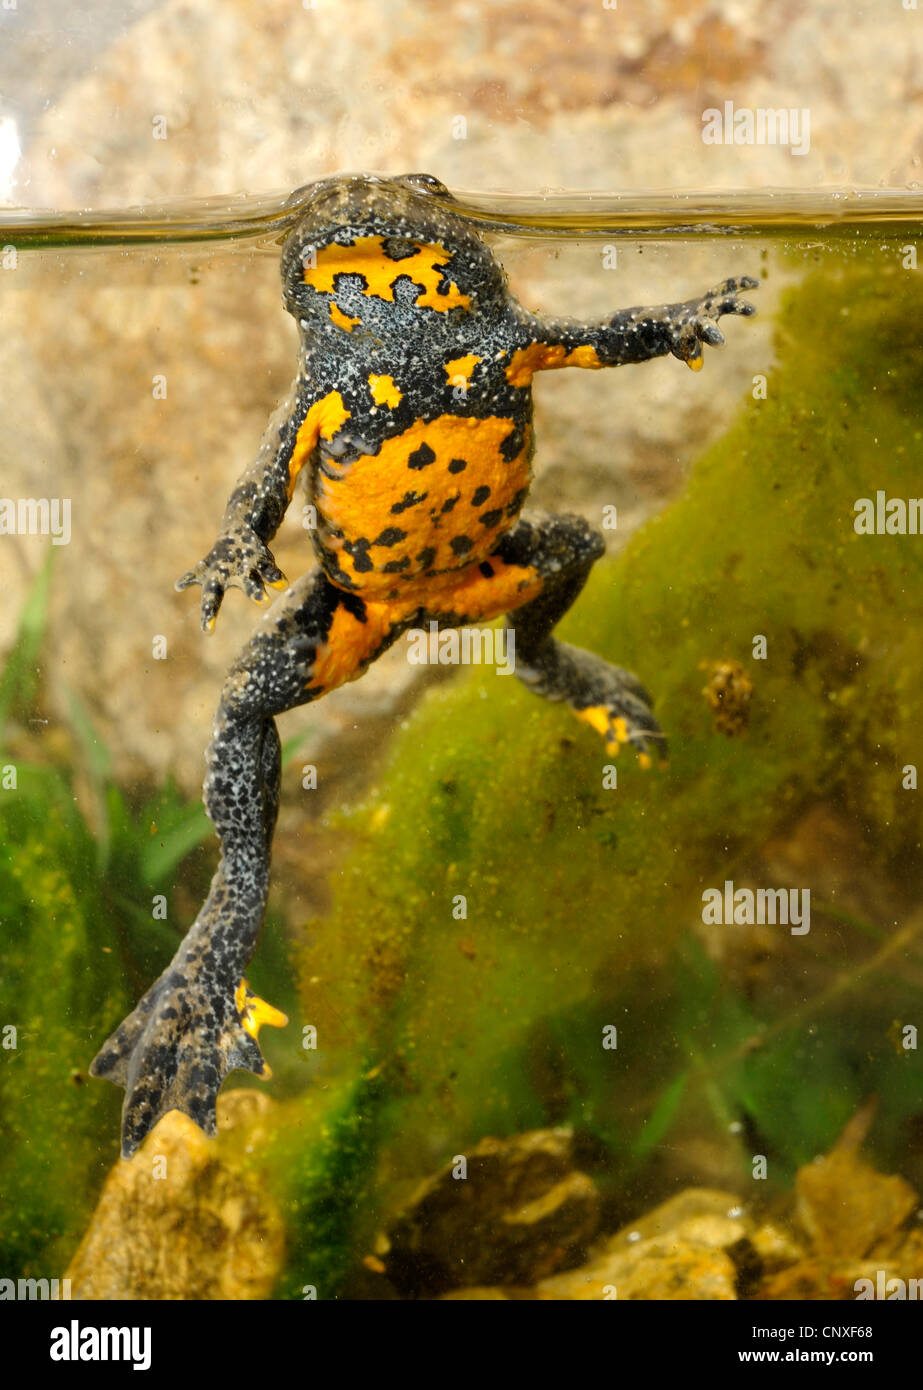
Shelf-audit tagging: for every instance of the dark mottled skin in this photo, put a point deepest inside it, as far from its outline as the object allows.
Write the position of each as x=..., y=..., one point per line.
x=411, y=418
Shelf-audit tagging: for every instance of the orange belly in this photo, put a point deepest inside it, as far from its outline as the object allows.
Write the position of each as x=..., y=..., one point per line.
x=433, y=499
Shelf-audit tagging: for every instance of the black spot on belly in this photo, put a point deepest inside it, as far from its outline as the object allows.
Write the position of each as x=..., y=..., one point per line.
x=342, y=281
x=491, y=518
x=487, y=569
x=458, y=465
x=426, y=557
x=354, y=605
x=409, y=499
x=398, y=248
x=359, y=551
x=337, y=573
x=422, y=457
x=395, y=566
x=449, y=504
x=512, y=445
x=461, y=544
x=481, y=494
x=390, y=536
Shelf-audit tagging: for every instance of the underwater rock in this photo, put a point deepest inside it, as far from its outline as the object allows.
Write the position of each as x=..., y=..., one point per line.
x=703, y=1245
x=855, y=1218
x=846, y=1207
x=675, y=1270
x=680, y=1250
x=686, y=1248
x=520, y=1212
x=477, y=1293
x=775, y=1247
x=703, y=1214
x=181, y=1220
x=823, y=1280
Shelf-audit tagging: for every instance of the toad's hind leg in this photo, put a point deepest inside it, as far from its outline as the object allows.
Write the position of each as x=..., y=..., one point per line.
x=199, y=1020
x=534, y=575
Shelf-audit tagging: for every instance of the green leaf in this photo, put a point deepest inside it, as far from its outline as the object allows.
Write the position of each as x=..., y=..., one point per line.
x=19, y=682
x=661, y=1117
x=178, y=832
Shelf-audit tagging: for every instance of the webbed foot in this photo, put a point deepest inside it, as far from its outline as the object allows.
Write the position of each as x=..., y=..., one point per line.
x=611, y=700
x=696, y=322
x=622, y=714
x=238, y=558
x=177, y=1046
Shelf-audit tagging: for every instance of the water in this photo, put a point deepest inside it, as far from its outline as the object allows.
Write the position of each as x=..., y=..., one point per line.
x=478, y=930
x=551, y=213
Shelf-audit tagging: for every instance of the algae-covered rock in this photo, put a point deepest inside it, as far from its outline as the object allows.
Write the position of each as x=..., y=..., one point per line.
x=319, y=1164
x=180, y=1220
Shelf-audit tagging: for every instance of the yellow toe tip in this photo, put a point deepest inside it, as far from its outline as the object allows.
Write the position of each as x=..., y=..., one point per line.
x=255, y=1012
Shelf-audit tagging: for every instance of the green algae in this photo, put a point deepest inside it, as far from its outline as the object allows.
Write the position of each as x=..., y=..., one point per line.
x=78, y=873
x=62, y=989
x=318, y=1163
x=574, y=895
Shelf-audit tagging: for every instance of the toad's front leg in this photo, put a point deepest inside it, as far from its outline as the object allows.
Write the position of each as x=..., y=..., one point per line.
x=199, y=1020
x=631, y=335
